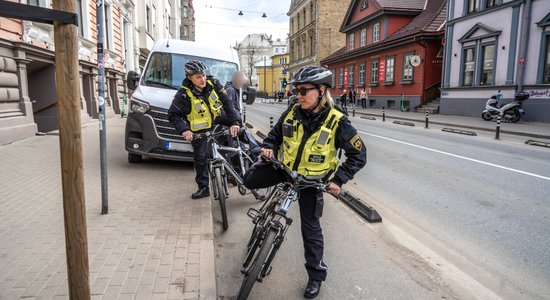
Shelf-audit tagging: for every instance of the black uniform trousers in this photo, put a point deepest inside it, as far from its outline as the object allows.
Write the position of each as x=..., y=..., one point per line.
x=311, y=209
x=200, y=155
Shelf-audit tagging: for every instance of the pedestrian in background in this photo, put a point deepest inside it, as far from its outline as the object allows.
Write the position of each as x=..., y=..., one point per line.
x=363, y=96
x=343, y=100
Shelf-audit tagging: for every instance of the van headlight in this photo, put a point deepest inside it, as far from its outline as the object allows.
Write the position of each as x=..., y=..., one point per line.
x=139, y=106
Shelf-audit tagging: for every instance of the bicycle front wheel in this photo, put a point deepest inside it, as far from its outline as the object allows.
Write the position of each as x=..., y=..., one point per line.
x=221, y=196
x=252, y=275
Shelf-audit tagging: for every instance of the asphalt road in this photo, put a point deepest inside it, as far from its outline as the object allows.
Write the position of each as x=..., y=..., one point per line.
x=481, y=204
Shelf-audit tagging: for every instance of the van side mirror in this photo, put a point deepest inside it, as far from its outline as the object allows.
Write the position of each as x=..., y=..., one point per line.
x=249, y=95
x=132, y=80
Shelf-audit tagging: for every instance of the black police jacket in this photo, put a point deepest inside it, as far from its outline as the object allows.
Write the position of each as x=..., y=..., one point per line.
x=347, y=139
x=181, y=105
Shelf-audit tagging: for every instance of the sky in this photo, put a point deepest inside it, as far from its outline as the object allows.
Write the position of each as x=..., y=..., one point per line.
x=218, y=25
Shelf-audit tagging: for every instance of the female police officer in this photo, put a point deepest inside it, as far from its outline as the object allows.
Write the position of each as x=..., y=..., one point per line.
x=310, y=133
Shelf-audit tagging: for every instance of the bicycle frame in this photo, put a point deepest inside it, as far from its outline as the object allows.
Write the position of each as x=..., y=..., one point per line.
x=272, y=215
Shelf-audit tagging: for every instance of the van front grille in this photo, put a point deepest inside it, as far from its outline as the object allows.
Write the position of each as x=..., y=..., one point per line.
x=163, y=126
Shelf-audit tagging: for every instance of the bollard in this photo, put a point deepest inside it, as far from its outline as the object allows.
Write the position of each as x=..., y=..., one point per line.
x=353, y=113
x=244, y=114
x=270, y=122
x=383, y=114
x=427, y=119
x=497, y=132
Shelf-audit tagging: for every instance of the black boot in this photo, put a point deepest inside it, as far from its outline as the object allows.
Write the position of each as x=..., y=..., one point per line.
x=201, y=193
x=312, y=289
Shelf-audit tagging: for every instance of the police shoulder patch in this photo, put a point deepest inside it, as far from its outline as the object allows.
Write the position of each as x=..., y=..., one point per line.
x=356, y=142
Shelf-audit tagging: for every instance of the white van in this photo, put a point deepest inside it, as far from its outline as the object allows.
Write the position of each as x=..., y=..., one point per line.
x=148, y=131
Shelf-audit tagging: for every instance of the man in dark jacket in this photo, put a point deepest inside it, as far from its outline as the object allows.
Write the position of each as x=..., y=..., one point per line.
x=196, y=108
x=233, y=89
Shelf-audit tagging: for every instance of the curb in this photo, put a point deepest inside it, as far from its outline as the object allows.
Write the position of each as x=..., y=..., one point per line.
x=453, y=130
x=207, y=258
x=533, y=135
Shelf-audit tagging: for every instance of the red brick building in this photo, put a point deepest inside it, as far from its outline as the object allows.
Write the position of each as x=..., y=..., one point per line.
x=392, y=48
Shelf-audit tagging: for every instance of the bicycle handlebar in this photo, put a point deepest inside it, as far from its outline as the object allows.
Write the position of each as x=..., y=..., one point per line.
x=214, y=133
x=298, y=179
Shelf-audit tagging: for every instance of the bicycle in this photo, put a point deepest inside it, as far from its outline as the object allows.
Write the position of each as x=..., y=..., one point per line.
x=219, y=167
x=271, y=224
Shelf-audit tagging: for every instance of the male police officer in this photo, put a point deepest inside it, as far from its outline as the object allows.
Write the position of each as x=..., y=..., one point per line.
x=196, y=108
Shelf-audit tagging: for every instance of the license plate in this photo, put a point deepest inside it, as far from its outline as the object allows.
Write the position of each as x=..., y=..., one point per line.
x=521, y=110
x=178, y=146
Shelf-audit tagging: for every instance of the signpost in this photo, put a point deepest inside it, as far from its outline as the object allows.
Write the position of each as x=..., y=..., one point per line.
x=101, y=101
x=64, y=19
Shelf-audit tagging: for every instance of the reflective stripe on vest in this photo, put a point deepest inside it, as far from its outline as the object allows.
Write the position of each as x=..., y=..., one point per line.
x=203, y=114
x=318, y=157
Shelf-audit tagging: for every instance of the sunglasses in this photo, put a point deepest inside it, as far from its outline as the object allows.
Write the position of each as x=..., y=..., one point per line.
x=302, y=91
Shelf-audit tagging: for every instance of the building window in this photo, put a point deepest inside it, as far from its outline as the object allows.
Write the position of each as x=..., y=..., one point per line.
x=311, y=45
x=332, y=83
x=351, y=41
x=292, y=27
x=148, y=16
x=40, y=3
x=311, y=12
x=80, y=19
x=185, y=31
x=351, y=73
x=361, y=80
x=108, y=27
x=341, y=77
x=186, y=12
x=364, y=4
x=390, y=62
x=298, y=20
x=546, y=57
x=491, y=3
x=304, y=17
x=487, y=63
x=363, y=37
x=469, y=66
x=474, y=5
x=376, y=33
x=407, y=67
x=374, y=71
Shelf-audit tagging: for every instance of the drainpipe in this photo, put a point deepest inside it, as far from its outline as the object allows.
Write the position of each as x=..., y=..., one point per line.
x=524, y=39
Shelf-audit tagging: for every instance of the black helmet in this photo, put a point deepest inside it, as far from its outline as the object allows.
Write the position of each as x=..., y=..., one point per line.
x=314, y=75
x=194, y=67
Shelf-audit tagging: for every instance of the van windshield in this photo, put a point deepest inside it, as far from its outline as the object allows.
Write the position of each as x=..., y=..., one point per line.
x=165, y=70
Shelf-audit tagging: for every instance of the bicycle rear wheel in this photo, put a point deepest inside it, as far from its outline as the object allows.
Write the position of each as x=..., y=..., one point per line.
x=221, y=196
x=257, y=266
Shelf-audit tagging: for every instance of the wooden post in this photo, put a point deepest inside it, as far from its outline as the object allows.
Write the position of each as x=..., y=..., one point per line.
x=70, y=142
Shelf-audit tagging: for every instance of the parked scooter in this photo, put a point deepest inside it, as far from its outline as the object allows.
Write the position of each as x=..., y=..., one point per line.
x=510, y=112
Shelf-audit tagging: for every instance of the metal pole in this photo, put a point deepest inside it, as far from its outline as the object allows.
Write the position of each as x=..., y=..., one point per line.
x=427, y=119
x=383, y=114
x=523, y=42
x=353, y=112
x=101, y=99
x=270, y=122
x=265, y=76
x=244, y=114
x=70, y=149
x=497, y=133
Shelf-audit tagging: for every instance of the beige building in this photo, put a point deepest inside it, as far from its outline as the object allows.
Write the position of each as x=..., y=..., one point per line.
x=28, y=100
x=314, y=31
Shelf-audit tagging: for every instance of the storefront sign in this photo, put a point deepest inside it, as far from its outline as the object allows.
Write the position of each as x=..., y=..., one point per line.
x=539, y=94
x=346, y=76
x=381, y=71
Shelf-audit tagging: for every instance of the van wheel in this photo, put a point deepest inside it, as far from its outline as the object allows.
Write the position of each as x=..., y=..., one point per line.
x=134, y=158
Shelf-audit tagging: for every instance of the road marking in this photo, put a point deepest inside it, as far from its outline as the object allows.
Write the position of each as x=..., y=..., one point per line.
x=457, y=156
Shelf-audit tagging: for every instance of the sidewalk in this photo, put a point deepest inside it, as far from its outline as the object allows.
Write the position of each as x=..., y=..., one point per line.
x=155, y=243
x=528, y=129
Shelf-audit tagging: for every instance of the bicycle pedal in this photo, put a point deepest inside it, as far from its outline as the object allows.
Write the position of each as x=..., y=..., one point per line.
x=253, y=213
